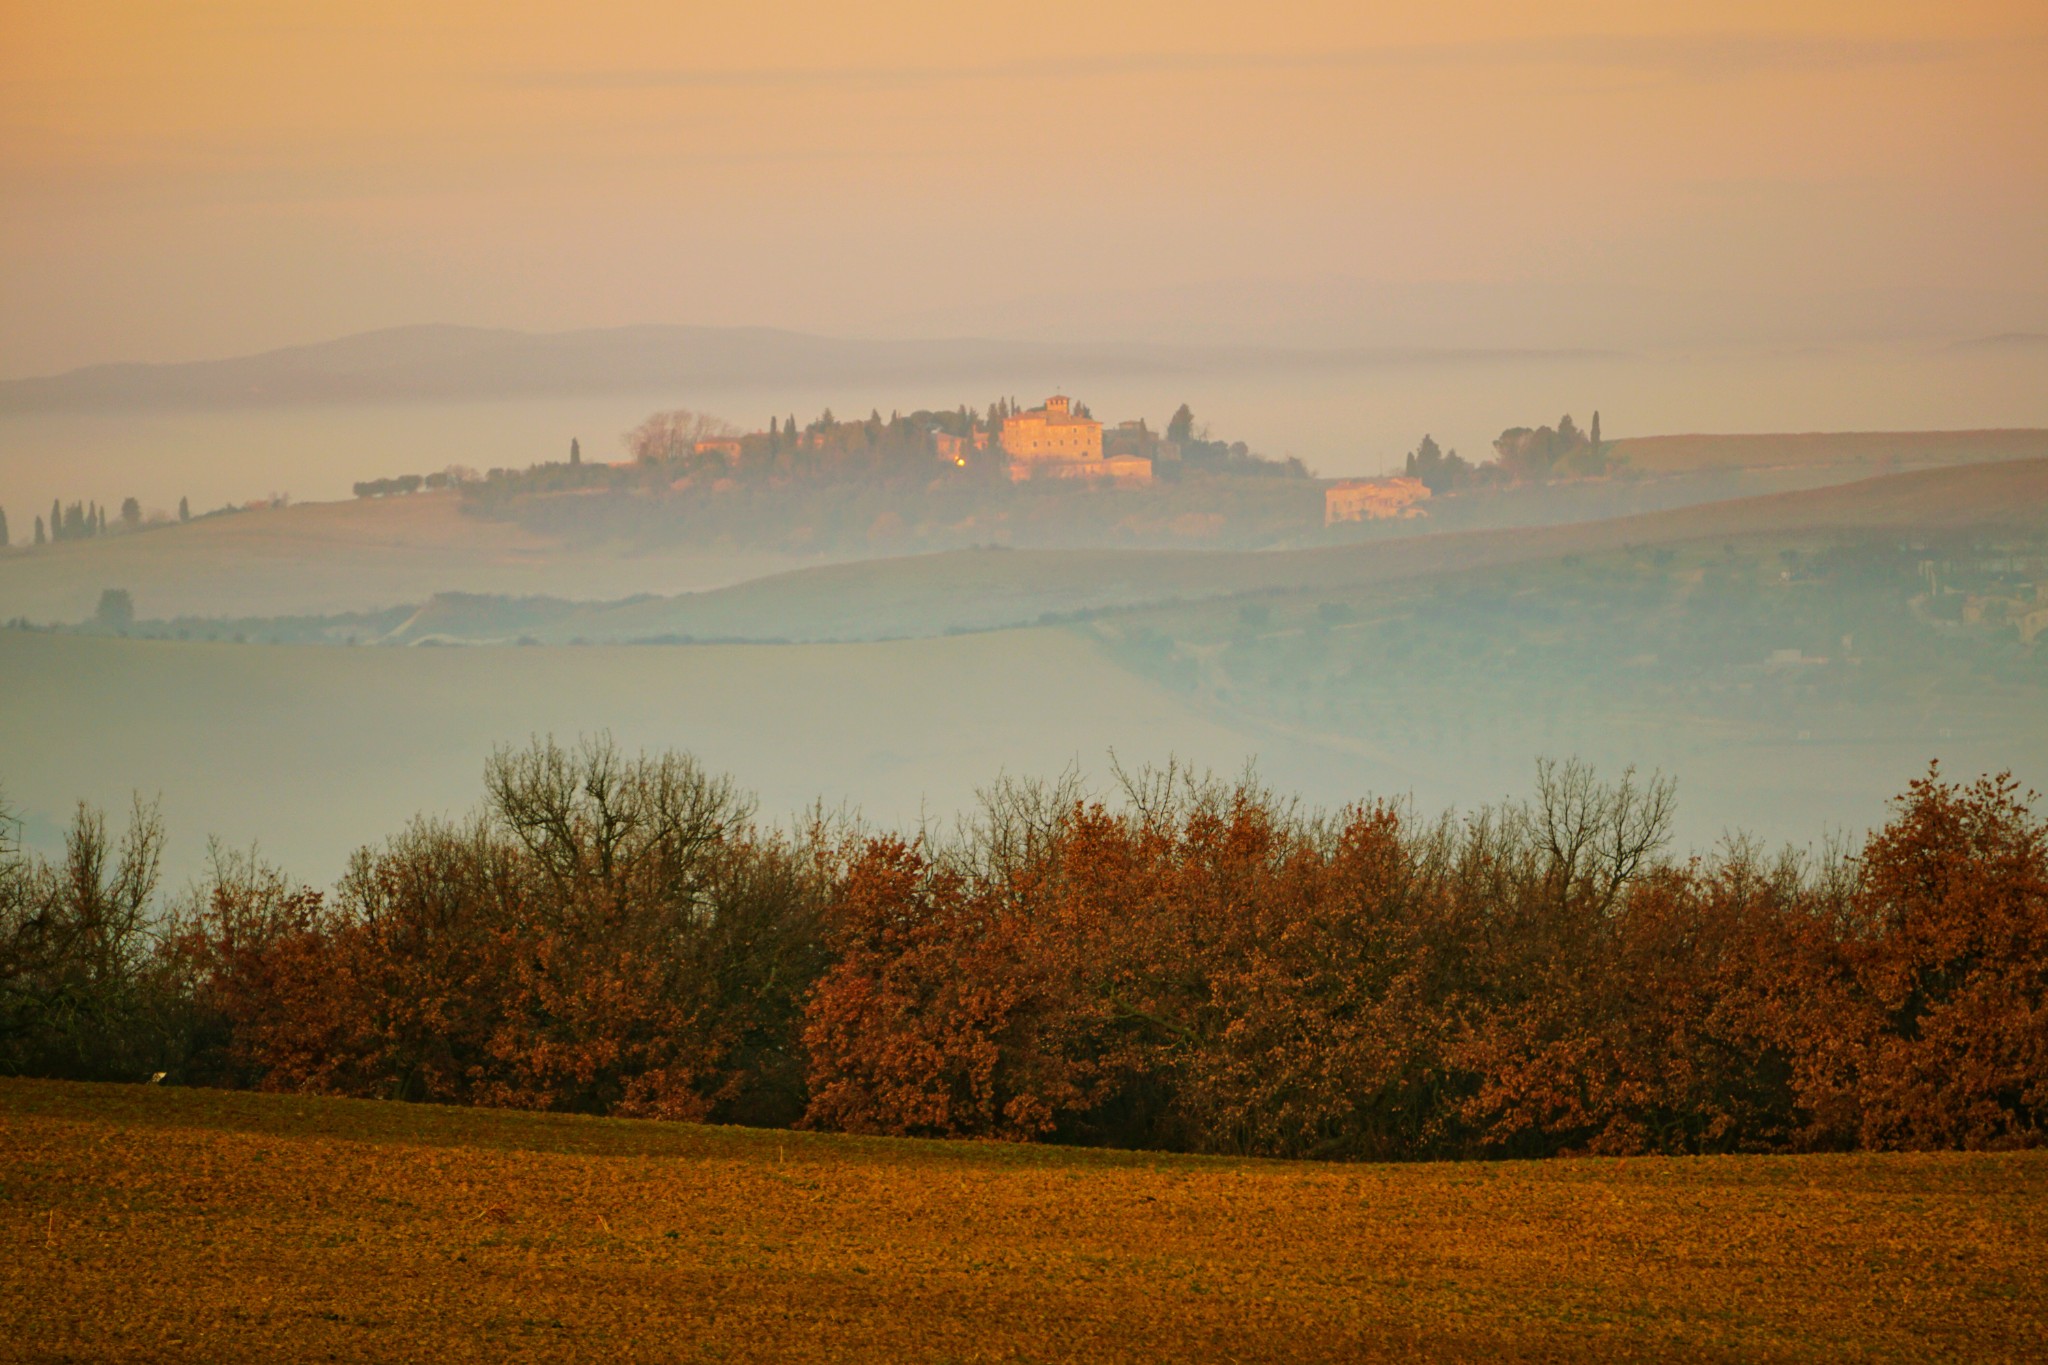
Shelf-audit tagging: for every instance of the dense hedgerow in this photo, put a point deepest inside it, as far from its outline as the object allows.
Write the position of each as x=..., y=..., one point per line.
x=1195, y=966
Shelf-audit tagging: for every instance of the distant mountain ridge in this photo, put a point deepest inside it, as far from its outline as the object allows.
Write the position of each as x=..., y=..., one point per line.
x=439, y=361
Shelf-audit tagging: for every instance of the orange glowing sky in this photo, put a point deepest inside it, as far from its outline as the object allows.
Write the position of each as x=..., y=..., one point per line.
x=210, y=176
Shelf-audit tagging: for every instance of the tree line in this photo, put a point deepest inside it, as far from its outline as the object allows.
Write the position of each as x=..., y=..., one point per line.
x=679, y=450
x=928, y=477
x=1520, y=455
x=1192, y=965
x=85, y=520
x=402, y=484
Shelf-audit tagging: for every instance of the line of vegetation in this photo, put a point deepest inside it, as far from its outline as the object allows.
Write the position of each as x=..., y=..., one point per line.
x=401, y=485
x=1520, y=455
x=1192, y=965
x=87, y=519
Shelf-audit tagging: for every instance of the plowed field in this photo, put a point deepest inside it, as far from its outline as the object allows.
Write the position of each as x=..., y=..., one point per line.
x=163, y=1225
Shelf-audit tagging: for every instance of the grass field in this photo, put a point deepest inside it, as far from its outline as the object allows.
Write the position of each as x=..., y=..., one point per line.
x=163, y=1225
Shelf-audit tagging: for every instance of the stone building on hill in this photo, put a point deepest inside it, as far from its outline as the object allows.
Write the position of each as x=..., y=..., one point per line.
x=1055, y=441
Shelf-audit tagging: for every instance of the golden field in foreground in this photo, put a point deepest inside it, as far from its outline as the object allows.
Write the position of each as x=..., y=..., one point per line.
x=157, y=1224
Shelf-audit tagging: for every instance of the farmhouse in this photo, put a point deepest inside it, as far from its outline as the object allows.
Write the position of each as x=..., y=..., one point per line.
x=1055, y=441
x=1373, y=500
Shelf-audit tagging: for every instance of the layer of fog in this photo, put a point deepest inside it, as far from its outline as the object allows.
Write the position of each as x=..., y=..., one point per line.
x=310, y=752
x=1342, y=421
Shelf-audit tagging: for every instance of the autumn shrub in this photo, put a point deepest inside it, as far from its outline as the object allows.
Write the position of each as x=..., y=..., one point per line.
x=262, y=987
x=1206, y=967
x=612, y=935
x=1945, y=951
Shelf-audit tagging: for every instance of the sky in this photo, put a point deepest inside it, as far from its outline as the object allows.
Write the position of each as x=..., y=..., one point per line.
x=214, y=177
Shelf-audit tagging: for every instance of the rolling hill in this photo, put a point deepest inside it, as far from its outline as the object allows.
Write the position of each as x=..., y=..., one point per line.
x=989, y=589
x=1434, y=665
x=361, y=555
x=368, y=555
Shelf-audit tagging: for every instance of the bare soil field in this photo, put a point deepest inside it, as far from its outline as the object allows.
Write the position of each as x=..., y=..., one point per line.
x=143, y=1224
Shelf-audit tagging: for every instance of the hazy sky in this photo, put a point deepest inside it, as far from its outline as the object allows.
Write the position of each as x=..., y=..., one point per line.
x=213, y=176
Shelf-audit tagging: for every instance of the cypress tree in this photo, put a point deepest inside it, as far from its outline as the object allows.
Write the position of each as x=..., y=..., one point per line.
x=56, y=520
x=39, y=530
x=3, y=528
x=575, y=451
x=184, y=510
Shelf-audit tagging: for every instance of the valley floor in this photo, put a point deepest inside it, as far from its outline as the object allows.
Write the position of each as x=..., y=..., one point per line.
x=138, y=1223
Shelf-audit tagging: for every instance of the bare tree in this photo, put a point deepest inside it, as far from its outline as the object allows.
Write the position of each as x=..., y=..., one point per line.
x=75, y=940
x=593, y=816
x=1017, y=819
x=1597, y=836
x=668, y=435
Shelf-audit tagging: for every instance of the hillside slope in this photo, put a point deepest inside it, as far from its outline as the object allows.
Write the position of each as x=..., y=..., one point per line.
x=366, y=555
x=1672, y=454
x=361, y=555
x=984, y=589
